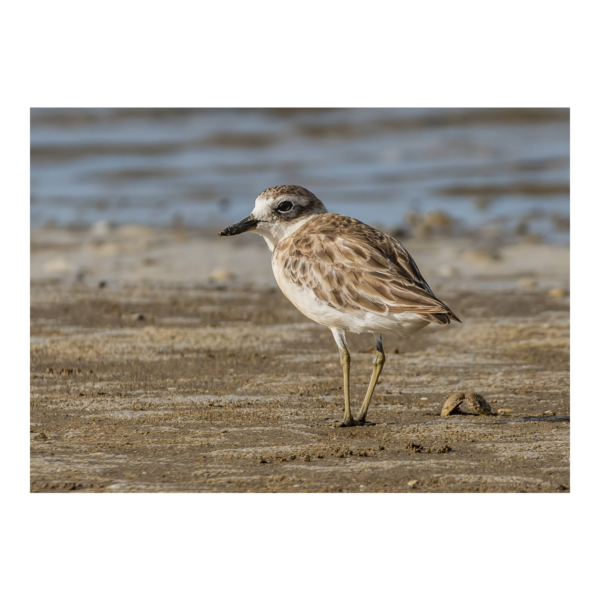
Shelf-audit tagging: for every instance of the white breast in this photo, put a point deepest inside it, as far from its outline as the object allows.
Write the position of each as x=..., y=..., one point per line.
x=356, y=321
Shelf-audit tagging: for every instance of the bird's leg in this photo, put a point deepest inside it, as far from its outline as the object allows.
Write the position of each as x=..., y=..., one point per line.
x=340, y=339
x=378, y=363
x=345, y=362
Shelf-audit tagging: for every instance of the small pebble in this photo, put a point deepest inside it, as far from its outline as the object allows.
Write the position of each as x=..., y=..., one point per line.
x=220, y=275
x=557, y=293
x=412, y=483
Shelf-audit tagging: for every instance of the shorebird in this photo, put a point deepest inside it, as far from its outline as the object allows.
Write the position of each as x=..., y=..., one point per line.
x=342, y=274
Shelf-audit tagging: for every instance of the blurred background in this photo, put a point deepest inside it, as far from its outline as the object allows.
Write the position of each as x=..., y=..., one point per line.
x=498, y=176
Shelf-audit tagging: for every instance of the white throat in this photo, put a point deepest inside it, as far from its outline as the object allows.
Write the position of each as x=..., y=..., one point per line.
x=275, y=232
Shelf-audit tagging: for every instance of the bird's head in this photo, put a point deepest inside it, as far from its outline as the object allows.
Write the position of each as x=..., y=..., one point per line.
x=278, y=212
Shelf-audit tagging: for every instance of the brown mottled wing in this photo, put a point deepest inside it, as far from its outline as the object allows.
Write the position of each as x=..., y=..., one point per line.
x=350, y=265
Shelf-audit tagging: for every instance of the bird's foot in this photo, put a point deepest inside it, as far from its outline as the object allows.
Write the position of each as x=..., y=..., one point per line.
x=353, y=423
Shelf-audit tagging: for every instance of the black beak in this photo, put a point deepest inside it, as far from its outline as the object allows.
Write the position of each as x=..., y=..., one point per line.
x=247, y=224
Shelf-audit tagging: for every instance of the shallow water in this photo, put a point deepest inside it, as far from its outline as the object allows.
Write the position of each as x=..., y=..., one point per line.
x=204, y=167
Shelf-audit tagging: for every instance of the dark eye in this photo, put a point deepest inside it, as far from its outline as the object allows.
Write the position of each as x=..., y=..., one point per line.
x=285, y=206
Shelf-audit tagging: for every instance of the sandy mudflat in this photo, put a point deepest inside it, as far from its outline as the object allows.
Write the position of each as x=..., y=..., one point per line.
x=167, y=361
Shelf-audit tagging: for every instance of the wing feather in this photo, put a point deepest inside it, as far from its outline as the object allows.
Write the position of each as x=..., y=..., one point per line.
x=352, y=266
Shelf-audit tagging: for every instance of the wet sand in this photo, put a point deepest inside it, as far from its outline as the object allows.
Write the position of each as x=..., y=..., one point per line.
x=168, y=361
